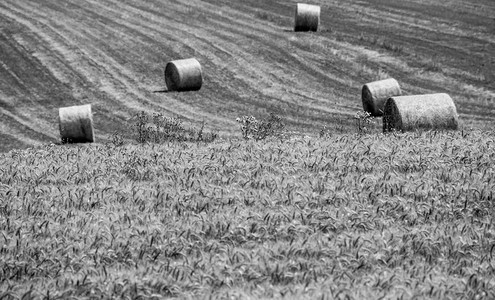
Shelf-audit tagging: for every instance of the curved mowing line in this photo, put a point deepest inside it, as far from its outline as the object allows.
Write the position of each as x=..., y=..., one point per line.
x=228, y=34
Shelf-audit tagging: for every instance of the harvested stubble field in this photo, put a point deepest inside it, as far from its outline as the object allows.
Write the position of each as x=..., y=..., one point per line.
x=112, y=54
x=343, y=217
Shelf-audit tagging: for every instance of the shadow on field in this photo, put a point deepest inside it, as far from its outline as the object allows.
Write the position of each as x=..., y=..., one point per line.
x=161, y=90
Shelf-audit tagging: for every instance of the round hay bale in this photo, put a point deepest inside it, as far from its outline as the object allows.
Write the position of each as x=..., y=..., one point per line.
x=427, y=112
x=76, y=124
x=376, y=93
x=307, y=17
x=183, y=75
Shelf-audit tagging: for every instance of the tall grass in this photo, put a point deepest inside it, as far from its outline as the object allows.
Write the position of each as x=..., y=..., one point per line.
x=349, y=216
x=158, y=128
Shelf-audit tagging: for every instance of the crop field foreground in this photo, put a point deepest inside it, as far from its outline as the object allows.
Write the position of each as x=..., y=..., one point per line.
x=397, y=216
x=112, y=54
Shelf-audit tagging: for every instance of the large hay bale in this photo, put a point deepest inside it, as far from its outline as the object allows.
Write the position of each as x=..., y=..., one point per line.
x=183, y=75
x=76, y=124
x=307, y=17
x=376, y=93
x=431, y=111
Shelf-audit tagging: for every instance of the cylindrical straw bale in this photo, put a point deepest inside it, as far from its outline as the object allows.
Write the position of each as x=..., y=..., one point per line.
x=427, y=112
x=376, y=93
x=307, y=17
x=76, y=124
x=183, y=75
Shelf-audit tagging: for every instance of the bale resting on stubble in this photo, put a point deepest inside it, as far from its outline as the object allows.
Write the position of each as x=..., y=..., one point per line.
x=376, y=93
x=76, y=124
x=307, y=17
x=426, y=112
x=183, y=75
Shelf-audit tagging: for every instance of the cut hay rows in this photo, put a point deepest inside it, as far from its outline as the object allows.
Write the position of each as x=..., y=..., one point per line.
x=76, y=124
x=431, y=111
x=183, y=75
x=376, y=93
x=307, y=17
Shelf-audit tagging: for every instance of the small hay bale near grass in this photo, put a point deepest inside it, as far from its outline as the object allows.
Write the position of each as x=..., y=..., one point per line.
x=376, y=93
x=183, y=75
x=420, y=112
x=76, y=124
x=307, y=17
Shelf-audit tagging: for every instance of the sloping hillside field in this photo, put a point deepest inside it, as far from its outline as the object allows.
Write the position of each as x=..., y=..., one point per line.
x=112, y=54
x=405, y=216
x=323, y=210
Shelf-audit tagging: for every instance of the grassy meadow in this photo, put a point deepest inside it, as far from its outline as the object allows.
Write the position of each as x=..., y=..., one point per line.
x=356, y=216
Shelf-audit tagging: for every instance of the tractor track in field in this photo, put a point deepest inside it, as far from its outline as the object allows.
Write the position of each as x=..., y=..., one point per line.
x=112, y=54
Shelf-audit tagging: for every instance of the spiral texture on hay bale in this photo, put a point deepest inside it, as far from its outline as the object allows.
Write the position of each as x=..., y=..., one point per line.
x=183, y=75
x=307, y=17
x=376, y=93
x=76, y=124
x=430, y=111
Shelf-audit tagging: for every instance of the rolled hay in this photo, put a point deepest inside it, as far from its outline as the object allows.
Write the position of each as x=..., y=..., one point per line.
x=427, y=112
x=307, y=17
x=183, y=75
x=376, y=93
x=76, y=124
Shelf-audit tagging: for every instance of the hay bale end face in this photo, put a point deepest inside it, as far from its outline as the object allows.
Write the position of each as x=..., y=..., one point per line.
x=307, y=17
x=183, y=75
x=420, y=112
x=76, y=124
x=376, y=93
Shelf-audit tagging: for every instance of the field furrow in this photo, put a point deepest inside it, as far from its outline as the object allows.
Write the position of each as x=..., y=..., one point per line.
x=112, y=54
